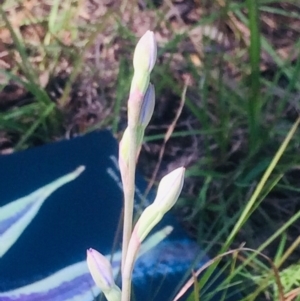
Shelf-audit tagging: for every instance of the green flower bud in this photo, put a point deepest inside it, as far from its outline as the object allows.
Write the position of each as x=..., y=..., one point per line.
x=147, y=221
x=143, y=62
x=145, y=53
x=139, y=85
x=168, y=192
x=169, y=189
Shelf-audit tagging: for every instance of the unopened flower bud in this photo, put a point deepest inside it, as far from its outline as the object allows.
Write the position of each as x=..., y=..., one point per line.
x=169, y=189
x=100, y=269
x=167, y=194
x=147, y=221
x=145, y=53
x=101, y=272
x=147, y=106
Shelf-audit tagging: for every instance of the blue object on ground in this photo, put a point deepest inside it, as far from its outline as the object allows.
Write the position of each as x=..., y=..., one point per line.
x=82, y=214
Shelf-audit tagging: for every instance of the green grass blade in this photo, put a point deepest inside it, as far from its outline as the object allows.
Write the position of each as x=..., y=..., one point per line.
x=254, y=52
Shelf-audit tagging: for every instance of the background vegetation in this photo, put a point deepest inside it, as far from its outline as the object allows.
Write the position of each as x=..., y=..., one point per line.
x=65, y=70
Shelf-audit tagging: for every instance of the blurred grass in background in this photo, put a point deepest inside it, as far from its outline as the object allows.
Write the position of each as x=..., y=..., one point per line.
x=65, y=69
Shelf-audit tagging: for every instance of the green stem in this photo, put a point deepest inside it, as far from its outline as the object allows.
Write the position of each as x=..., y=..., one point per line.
x=127, y=271
x=254, y=53
x=129, y=189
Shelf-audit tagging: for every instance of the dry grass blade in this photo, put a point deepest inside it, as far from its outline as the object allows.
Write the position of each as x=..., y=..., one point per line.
x=292, y=295
x=167, y=136
x=290, y=250
x=190, y=282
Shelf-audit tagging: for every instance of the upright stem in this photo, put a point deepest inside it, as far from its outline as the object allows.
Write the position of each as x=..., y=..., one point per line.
x=134, y=245
x=129, y=190
x=139, y=114
x=254, y=54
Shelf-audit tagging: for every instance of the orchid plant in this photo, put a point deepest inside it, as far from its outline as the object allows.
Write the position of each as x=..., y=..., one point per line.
x=140, y=109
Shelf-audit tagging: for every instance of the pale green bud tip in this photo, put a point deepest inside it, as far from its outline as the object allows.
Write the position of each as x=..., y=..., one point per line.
x=100, y=270
x=147, y=106
x=169, y=189
x=145, y=53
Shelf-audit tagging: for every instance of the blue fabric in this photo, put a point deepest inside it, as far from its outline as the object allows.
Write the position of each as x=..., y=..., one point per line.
x=82, y=214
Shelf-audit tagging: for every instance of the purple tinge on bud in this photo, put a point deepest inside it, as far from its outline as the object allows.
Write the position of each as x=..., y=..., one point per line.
x=145, y=53
x=100, y=270
x=147, y=106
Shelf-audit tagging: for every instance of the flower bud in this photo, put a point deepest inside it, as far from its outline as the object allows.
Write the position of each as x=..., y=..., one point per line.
x=168, y=192
x=145, y=53
x=100, y=270
x=169, y=189
x=147, y=221
x=147, y=106
x=102, y=274
x=143, y=62
x=124, y=151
